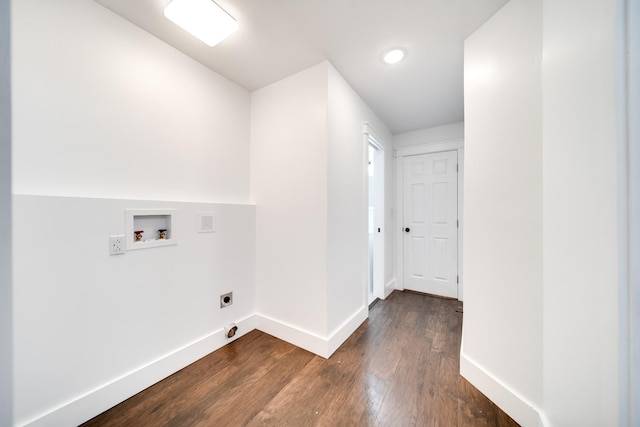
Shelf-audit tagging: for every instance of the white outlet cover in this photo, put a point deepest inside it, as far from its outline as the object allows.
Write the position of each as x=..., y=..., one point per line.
x=206, y=222
x=116, y=245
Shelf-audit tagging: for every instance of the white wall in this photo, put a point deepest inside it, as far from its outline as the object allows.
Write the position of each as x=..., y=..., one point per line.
x=289, y=186
x=580, y=213
x=630, y=296
x=93, y=329
x=308, y=181
x=142, y=120
x=502, y=333
x=442, y=133
x=6, y=342
x=106, y=113
x=556, y=121
x=348, y=200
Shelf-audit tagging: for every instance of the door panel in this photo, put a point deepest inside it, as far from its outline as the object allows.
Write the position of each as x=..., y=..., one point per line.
x=440, y=259
x=419, y=203
x=430, y=215
x=439, y=203
x=418, y=249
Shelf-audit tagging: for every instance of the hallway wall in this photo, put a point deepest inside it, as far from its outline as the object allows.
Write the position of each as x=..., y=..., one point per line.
x=502, y=247
x=580, y=212
x=448, y=132
x=541, y=329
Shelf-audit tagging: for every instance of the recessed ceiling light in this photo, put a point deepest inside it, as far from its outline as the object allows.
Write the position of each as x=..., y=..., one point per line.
x=394, y=56
x=204, y=19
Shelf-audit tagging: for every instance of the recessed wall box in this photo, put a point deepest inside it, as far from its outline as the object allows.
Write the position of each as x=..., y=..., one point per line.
x=148, y=228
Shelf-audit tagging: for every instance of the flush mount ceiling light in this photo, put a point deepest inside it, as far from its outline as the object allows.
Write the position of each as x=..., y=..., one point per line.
x=394, y=56
x=202, y=18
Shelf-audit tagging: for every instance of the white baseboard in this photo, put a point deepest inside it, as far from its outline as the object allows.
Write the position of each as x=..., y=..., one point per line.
x=345, y=330
x=299, y=337
x=398, y=284
x=322, y=346
x=517, y=407
x=88, y=405
x=104, y=397
x=389, y=287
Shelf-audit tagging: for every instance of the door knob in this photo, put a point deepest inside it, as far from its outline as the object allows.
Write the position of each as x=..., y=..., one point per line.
x=406, y=230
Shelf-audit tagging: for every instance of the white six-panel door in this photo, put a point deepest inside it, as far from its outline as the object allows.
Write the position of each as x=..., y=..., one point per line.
x=430, y=234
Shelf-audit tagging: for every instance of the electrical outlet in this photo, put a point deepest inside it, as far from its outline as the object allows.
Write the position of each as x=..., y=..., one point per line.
x=116, y=245
x=226, y=300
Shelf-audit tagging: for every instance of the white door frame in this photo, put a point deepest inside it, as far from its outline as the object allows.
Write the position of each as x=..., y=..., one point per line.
x=399, y=154
x=628, y=104
x=371, y=137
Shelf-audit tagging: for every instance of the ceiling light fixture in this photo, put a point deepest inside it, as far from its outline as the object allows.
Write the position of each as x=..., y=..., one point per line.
x=394, y=56
x=202, y=18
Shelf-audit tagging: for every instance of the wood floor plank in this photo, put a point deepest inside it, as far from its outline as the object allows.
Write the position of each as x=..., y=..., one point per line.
x=405, y=401
x=299, y=402
x=244, y=394
x=399, y=368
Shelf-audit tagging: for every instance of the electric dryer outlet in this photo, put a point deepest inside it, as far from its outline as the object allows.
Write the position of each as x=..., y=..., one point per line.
x=226, y=299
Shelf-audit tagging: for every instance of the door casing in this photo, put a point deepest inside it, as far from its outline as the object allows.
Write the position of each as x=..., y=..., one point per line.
x=371, y=137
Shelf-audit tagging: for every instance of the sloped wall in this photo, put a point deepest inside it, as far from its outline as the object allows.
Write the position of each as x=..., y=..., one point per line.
x=104, y=109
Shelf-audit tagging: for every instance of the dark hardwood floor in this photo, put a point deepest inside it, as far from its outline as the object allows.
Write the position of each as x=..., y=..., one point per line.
x=400, y=368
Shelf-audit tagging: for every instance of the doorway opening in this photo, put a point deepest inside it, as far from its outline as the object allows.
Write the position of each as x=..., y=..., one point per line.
x=375, y=181
x=429, y=204
x=430, y=223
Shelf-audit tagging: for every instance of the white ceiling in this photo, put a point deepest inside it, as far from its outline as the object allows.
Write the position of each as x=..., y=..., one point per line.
x=278, y=38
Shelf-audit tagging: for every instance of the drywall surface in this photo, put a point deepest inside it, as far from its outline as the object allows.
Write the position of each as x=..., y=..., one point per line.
x=502, y=245
x=347, y=200
x=87, y=322
x=630, y=294
x=450, y=132
x=580, y=213
x=289, y=186
x=111, y=116
x=97, y=97
x=6, y=342
x=308, y=156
